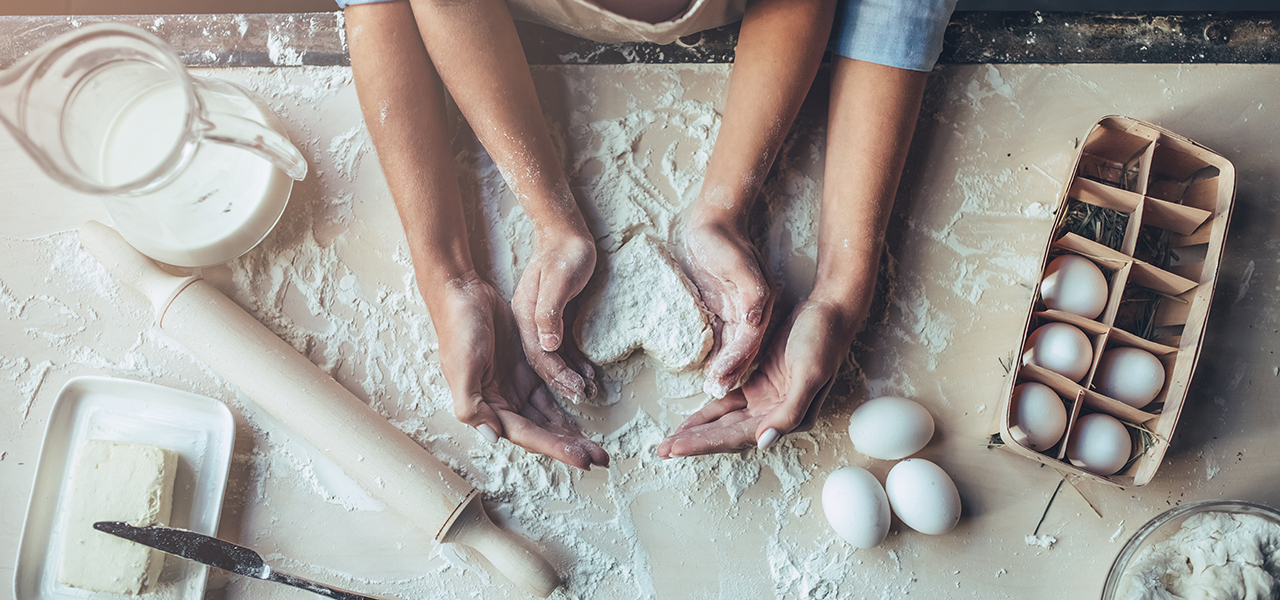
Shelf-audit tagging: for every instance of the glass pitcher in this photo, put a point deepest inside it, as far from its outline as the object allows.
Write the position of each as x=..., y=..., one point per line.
x=193, y=171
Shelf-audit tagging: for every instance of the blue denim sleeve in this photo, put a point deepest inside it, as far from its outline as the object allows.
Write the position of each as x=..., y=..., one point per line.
x=906, y=34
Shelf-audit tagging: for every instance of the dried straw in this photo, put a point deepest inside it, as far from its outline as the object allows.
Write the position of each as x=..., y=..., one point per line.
x=1103, y=225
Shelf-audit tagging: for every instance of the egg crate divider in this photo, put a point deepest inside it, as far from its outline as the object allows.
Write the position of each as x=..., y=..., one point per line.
x=1166, y=184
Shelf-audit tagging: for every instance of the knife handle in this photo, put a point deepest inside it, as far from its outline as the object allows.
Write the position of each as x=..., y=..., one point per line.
x=316, y=588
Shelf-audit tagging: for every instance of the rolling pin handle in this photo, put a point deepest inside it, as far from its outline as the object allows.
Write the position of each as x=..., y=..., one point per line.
x=131, y=267
x=508, y=554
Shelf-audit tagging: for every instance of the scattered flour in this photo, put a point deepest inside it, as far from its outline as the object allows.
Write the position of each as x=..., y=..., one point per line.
x=1118, y=533
x=1041, y=541
x=633, y=173
x=319, y=85
x=1244, y=283
x=1211, y=466
x=280, y=50
x=346, y=150
x=1037, y=210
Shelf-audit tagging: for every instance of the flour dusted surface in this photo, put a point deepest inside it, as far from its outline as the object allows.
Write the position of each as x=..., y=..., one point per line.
x=644, y=301
x=335, y=280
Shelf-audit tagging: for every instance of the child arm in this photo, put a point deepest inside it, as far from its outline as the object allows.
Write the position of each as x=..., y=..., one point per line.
x=474, y=47
x=403, y=100
x=873, y=115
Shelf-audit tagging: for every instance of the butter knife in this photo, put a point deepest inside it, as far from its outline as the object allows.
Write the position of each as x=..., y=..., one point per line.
x=218, y=554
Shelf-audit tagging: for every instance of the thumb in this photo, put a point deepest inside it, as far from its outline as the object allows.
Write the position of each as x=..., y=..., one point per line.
x=465, y=374
x=805, y=398
x=471, y=409
x=555, y=289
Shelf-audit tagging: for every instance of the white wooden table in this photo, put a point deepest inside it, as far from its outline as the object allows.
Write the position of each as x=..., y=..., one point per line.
x=991, y=152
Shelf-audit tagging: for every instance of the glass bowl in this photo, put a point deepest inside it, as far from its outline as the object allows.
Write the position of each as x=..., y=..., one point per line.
x=1166, y=525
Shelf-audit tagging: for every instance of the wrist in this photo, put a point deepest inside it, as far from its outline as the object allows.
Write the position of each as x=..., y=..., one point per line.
x=440, y=278
x=705, y=214
x=723, y=205
x=848, y=289
x=554, y=211
x=844, y=318
x=562, y=230
x=848, y=263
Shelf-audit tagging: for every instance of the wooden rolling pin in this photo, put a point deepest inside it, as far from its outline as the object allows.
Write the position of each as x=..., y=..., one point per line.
x=368, y=448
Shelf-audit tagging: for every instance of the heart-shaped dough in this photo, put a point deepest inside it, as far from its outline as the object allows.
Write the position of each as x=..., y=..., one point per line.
x=643, y=301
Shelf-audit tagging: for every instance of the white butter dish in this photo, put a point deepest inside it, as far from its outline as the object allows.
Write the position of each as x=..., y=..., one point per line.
x=198, y=428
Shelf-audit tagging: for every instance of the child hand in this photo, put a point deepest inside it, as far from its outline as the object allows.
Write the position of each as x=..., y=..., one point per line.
x=726, y=268
x=560, y=267
x=493, y=386
x=780, y=395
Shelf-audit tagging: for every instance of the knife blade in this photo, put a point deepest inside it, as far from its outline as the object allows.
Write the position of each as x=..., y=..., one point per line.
x=219, y=554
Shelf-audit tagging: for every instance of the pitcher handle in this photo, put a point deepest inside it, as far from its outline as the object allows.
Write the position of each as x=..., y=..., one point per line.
x=259, y=139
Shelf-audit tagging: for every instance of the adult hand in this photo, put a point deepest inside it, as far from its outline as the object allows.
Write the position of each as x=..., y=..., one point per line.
x=779, y=397
x=726, y=268
x=560, y=267
x=494, y=389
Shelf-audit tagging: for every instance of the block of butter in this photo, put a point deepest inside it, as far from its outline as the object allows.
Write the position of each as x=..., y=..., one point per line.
x=114, y=481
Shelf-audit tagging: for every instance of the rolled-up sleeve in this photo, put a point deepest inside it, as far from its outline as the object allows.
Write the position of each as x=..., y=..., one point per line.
x=906, y=34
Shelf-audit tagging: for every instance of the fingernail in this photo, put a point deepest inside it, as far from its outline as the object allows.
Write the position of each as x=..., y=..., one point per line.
x=589, y=389
x=753, y=317
x=487, y=433
x=550, y=341
x=768, y=439
x=571, y=388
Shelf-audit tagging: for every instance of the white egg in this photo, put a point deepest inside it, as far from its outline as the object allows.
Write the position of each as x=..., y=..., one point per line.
x=856, y=507
x=1072, y=283
x=1099, y=444
x=1061, y=348
x=1130, y=375
x=1037, y=412
x=890, y=428
x=923, y=496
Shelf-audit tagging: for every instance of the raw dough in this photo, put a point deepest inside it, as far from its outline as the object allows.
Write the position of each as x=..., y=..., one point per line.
x=114, y=481
x=1215, y=555
x=643, y=300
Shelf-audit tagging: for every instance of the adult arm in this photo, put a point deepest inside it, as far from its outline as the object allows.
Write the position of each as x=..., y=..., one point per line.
x=779, y=48
x=873, y=114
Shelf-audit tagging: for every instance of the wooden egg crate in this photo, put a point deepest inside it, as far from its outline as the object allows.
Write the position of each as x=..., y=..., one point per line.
x=1174, y=197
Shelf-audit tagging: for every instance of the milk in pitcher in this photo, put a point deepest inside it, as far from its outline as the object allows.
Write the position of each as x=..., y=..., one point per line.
x=224, y=201
x=194, y=171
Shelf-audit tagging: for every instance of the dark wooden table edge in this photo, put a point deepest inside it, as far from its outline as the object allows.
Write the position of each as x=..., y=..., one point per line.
x=318, y=39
